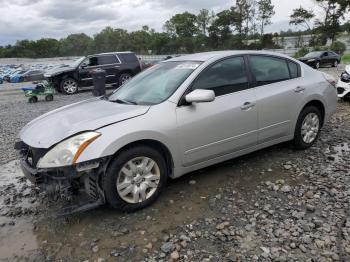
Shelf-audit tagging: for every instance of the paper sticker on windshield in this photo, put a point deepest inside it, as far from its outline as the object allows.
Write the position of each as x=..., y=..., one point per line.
x=187, y=66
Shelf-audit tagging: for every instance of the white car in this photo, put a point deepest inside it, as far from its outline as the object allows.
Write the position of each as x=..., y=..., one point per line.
x=343, y=86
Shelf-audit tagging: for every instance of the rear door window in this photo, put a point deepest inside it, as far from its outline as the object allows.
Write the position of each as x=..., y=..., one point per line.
x=268, y=70
x=107, y=60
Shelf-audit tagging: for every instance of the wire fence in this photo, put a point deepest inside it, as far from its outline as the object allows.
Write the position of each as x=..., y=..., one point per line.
x=286, y=51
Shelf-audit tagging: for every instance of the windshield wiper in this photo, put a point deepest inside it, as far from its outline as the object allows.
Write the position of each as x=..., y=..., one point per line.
x=105, y=97
x=126, y=102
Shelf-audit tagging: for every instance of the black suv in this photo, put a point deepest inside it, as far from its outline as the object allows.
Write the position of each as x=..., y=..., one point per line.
x=119, y=67
x=318, y=59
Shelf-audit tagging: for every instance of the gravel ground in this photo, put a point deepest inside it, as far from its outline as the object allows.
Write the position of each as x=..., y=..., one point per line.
x=277, y=204
x=304, y=219
x=15, y=112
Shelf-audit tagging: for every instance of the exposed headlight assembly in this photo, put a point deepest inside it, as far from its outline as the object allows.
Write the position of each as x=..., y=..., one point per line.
x=345, y=76
x=68, y=151
x=311, y=60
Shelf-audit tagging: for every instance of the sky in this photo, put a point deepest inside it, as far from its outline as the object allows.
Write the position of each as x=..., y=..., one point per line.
x=34, y=19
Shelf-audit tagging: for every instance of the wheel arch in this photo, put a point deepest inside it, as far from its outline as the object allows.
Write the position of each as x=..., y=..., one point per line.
x=68, y=75
x=159, y=146
x=127, y=71
x=319, y=105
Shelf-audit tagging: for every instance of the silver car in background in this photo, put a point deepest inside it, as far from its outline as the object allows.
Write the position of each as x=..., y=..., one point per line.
x=181, y=115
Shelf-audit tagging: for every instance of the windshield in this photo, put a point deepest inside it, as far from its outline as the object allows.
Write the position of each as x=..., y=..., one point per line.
x=154, y=85
x=76, y=63
x=314, y=54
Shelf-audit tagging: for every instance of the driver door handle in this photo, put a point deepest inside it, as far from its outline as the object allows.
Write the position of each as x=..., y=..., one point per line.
x=299, y=89
x=247, y=105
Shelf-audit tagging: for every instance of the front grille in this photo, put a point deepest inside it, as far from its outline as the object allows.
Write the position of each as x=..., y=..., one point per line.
x=340, y=90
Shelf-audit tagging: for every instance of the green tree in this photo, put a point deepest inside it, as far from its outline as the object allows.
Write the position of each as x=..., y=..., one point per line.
x=140, y=41
x=338, y=47
x=239, y=15
x=302, y=17
x=75, y=44
x=46, y=47
x=346, y=27
x=204, y=19
x=334, y=11
x=221, y=29
x=109, y=40
x=185, y=24
x=265, y=13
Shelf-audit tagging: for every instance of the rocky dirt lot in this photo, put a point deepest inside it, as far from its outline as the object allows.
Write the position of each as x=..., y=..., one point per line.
x=277, y=204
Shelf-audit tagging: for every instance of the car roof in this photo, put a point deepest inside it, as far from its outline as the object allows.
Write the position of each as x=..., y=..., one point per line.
x=203, y=57
x=114, y=53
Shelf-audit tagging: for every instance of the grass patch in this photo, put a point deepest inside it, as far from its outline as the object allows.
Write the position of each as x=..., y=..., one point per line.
x=346, y=59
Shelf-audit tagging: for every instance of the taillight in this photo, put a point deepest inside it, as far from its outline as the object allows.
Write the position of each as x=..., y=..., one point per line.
x=330, y=79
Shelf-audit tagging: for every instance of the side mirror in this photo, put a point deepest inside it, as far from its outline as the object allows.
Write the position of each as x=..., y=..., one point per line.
x=200, y=96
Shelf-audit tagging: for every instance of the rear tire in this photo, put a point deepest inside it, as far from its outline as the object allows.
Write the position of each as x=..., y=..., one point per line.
x=335, y=63
x=308, y=127
x=125, y=77
x=123, y=188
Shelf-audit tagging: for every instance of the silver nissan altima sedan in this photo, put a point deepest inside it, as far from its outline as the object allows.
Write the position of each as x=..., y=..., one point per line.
x=181, y=115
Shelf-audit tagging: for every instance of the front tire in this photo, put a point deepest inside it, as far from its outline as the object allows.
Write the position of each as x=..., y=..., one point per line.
x=135, y=178
x=69, y=86
x=308, y=127
x=335, y=63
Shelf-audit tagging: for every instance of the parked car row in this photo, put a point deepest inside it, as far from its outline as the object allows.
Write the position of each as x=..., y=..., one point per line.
x=16, y=74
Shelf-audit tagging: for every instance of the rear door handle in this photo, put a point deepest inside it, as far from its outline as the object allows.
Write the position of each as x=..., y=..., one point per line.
x=247, y=105
x=299, y=89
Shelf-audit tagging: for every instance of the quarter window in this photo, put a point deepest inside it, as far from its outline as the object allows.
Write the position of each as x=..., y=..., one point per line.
x=224, y=77
x=268, y=70
x=293, y=67
x=128, y=58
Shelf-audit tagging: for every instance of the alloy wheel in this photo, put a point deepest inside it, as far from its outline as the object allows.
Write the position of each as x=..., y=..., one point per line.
x=70, y=86
x=138, y=180
x=310, y=128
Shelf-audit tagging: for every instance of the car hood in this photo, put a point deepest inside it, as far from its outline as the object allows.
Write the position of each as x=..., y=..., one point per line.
x=53, y=127
x=58, y=70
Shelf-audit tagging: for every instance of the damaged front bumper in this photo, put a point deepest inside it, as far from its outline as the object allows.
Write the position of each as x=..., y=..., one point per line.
x=80, y=184
x=343, y=89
